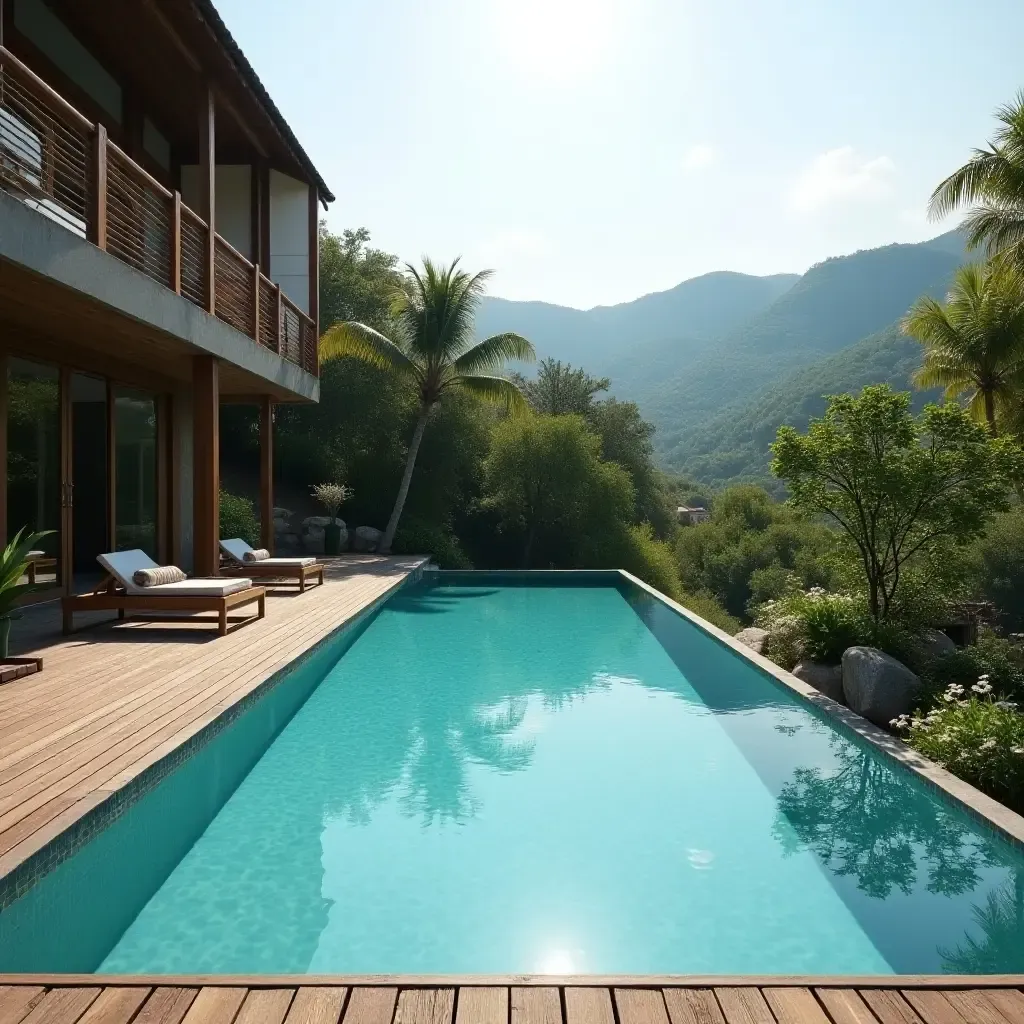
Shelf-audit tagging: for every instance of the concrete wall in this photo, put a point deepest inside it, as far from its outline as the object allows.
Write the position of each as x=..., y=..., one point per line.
x=289, y=237
x=43, y=28
x=232, y=201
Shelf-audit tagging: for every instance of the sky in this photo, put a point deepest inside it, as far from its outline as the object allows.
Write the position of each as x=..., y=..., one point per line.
x=592, y=151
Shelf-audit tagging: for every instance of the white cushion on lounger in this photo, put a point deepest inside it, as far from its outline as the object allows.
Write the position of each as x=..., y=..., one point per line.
x=122, y=565
x=236, y=549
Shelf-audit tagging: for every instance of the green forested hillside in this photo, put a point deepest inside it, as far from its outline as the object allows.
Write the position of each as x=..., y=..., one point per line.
x=733, y=444
x=695, y=311
x=834, y=305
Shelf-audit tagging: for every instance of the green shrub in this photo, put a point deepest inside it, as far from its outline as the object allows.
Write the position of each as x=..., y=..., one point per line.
x=811, y=623
x=419, y=537
x=638, y=551
x=771, y=583
x=979, y=739
x=1001, y=661
x=238, y=518
x=709, y=609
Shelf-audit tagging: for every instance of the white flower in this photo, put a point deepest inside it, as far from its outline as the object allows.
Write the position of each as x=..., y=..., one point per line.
x=963, y=703
x=900, y=723
x=1006, y=705
x=982, y=687
x=989, y=744
x=955, y=689
x=1017, y=750
x=983, y=678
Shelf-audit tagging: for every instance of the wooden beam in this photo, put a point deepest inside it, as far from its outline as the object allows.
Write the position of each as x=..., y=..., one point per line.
x=256, y=303
x=174, y=521
x=97, y=232
x=205, y=464
x=314, y=260
x=208, y=189
x=267, y=472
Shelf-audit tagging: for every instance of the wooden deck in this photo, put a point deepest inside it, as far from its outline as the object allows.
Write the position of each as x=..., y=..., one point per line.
x=537, y=1001
x=113, y=700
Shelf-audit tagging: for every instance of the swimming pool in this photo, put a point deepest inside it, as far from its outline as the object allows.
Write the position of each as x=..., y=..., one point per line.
x=498, y=776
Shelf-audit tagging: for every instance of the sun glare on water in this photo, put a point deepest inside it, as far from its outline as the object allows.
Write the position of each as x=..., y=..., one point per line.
x=558, y=39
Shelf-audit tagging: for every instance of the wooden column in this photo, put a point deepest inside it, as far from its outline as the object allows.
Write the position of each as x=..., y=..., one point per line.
x=97, y=226
x=205, y=464
x=267, y=472
x=208, y=189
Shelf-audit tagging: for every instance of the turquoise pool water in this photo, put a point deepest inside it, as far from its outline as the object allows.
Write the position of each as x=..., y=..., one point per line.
x=507, y=778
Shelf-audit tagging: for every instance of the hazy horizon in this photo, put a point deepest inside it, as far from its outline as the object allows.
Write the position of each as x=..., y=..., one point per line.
x=593, y=151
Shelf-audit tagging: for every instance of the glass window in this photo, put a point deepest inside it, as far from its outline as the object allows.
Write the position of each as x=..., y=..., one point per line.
x=135, y=471
x=33, y=461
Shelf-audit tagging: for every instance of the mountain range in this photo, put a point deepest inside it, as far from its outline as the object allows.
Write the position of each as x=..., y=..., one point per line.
x=719, y=362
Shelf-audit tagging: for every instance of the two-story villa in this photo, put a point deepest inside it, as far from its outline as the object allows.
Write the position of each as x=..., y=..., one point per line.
x=158, y=257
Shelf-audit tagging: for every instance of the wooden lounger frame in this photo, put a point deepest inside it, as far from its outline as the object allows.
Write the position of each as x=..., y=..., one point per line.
x=282, y=574
x=111, y=596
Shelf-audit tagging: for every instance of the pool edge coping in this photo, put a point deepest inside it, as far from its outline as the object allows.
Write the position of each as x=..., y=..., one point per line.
x=980, y=806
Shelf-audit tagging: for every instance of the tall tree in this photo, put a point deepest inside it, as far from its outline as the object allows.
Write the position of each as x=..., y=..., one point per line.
x=560, y=390
x=899, y=487
x=432, y=349
x=991, y=183
x=974, y=341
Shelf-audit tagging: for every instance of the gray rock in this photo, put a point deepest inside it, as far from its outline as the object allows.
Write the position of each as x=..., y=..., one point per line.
x=282, y=513
x=935, y=644
x=753, y=638
x=827, y=679
x=876, y=686
x=367, y=538
x=319, y=522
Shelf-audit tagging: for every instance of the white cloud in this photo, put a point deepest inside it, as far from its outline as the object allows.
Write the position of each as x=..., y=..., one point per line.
x=841, y=176
x=699, y=156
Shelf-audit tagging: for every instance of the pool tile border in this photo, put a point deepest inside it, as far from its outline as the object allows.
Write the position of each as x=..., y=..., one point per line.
x=115, y=804
x=988, y=813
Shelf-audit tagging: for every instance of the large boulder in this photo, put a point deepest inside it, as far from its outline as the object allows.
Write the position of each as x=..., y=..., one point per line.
x=933, y=643
x=313, y=533
x=753, y=638
x=827, y=679
x=876, y=686
x=367, y=538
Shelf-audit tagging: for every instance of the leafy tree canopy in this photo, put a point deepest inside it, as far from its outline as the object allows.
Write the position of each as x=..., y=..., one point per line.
x=898, y=486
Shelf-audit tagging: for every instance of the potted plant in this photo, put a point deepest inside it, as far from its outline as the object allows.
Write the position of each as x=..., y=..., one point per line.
x=332, y=497
x=13, y=566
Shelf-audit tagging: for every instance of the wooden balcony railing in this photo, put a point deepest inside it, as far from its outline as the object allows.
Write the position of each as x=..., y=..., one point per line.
x=61, y=164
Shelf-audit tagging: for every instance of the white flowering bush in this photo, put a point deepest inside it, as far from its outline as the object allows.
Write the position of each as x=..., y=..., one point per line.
x=974, y=735
x=811, y=623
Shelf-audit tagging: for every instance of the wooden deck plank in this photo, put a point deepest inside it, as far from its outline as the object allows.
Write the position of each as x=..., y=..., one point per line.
x=743, y=1006
x=215, y=1005
x=267, y=1006
x=974, y=1007
x=535, y=1005
x=889, y=1006
x=62, y=1005
x=115, y=1005
x=692, y=1006
x=933, y=1007
x=640, y=1006
x=371, y=1005
x=167, y=1005
x=1008, y=1001
x=317, y=1005
x=111, y=702
x=425, y=1006
x=795, y=1006
x=845, y=1006
x=587, y=1005
x=17, y=1000
x=482, y=1005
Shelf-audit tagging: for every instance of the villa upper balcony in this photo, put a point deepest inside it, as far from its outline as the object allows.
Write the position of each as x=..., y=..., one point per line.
x=139, y=126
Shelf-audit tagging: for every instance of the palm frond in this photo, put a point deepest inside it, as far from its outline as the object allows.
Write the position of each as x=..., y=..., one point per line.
x=968, y=184
x=497, y=390
x=359, y=341
x=492, y=353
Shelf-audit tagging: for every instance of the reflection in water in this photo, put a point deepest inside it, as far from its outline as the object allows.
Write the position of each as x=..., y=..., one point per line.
x=859, y=822
x=1000, y=919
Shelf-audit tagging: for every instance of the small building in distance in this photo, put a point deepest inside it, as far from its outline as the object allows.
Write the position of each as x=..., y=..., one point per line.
x=691, y=516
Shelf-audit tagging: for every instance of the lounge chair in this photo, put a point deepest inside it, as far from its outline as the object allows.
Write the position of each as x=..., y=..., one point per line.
x=119, y=592
x=287, y=570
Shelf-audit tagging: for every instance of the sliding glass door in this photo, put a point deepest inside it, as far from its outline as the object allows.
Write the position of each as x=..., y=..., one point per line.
x=135, y=471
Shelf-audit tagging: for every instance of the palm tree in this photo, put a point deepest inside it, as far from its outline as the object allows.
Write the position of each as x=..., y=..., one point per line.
x=992, y=182
x=432, y=348
x=974, y=341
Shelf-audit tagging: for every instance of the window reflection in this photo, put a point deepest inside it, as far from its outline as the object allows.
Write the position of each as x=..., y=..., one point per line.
x=135, y=471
